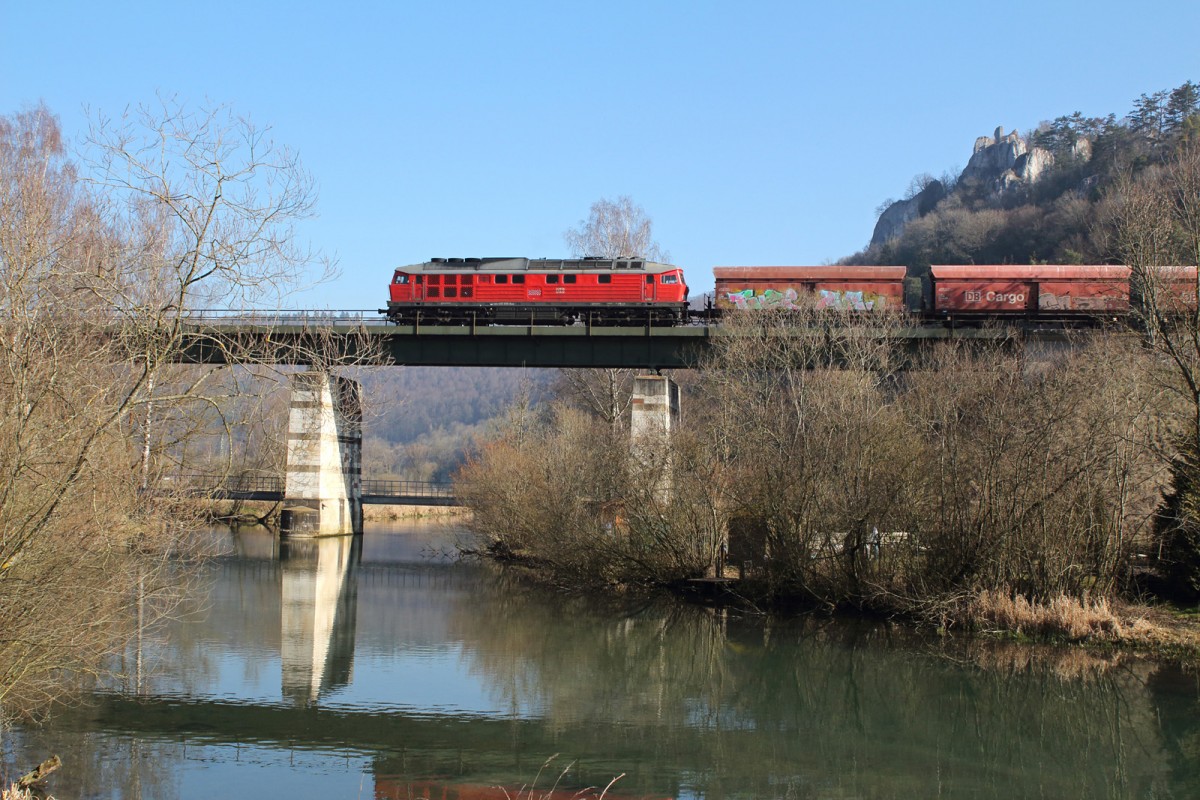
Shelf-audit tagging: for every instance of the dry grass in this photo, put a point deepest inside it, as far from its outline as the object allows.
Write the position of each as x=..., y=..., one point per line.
x=13, y=792
x=1062, y=617
x=383, y=513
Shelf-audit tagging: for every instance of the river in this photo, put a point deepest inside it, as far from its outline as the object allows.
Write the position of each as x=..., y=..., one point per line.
x=381, y=667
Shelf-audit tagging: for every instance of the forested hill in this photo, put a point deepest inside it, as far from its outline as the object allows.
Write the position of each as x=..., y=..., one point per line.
x=1034, y=198
x=420, y=421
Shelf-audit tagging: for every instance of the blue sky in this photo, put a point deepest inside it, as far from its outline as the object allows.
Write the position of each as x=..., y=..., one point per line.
x=752, y=133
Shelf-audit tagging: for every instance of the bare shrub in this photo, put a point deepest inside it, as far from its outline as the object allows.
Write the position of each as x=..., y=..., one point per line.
x=1151, y=221
x=801, y=415
x=561, y=489
x=541, y=487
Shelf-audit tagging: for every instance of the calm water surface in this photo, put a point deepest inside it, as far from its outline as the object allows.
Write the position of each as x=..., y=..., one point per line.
x=375, y=668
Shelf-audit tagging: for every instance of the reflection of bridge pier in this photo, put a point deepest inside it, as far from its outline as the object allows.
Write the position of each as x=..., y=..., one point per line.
x=318, y=626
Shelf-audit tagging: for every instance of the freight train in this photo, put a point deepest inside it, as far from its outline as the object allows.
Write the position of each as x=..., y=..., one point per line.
x=636, y=291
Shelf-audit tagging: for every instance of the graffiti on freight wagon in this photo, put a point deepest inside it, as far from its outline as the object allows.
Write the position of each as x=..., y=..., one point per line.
x=791, y=300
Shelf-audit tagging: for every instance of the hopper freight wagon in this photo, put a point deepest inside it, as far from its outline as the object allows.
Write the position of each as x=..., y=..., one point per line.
x=1039, y=291
x=852, y=289
x=1174, y=290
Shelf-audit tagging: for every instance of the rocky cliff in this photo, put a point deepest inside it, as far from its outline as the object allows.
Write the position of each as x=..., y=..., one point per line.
x=999, y=163
x=896, y=216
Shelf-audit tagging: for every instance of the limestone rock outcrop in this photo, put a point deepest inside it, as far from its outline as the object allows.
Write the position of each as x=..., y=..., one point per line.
x=898, y=215
x=1081, y=149
x=999, y=163
x=894, y=220
x=993, y=156
x=1032, y=165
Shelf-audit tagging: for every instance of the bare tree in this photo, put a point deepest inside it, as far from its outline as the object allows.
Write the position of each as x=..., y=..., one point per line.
x=166, y=211
x=613, y=229
x=1151, y=221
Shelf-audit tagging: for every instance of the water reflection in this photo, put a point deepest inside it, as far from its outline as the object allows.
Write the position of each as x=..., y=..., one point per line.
x=319, y=611
x=326, y=666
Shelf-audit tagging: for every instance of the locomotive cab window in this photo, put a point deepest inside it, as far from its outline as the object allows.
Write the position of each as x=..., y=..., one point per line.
x=670, y=279
x=649, y=279
x=401, y=279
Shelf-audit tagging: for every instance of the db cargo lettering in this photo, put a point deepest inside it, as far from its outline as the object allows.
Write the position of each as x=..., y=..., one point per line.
x=1011, y=298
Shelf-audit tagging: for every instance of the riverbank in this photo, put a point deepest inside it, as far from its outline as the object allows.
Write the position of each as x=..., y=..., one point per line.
x=251, y=512
x=1162, y=631
x=1159, y=630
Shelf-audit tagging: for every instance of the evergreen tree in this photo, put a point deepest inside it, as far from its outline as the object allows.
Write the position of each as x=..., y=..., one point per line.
x=1184, y=102
x=1149, y=115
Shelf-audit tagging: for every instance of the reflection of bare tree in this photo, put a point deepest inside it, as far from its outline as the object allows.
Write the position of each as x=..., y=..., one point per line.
x=762, y=705
x=130, y=767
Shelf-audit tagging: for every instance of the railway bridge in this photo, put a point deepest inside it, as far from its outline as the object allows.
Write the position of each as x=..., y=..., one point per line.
x=323, y=485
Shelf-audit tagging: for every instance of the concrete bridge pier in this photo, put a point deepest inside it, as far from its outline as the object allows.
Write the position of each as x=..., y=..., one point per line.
x=322, y=493
x=654, y=415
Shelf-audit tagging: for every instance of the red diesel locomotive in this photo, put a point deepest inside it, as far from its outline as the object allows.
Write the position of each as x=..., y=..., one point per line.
x=538, y=291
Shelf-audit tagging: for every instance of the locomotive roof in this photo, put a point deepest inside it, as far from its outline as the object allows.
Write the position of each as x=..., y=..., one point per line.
x=507, y=265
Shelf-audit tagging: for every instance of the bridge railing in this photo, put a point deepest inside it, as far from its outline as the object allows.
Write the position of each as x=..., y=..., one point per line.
x=277, y=317
x=398, y=488
x=266, y=484
x=240, y=484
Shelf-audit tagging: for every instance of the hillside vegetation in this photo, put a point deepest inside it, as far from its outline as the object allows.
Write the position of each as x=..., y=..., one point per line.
x=1035, y=198
x=425, y=418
